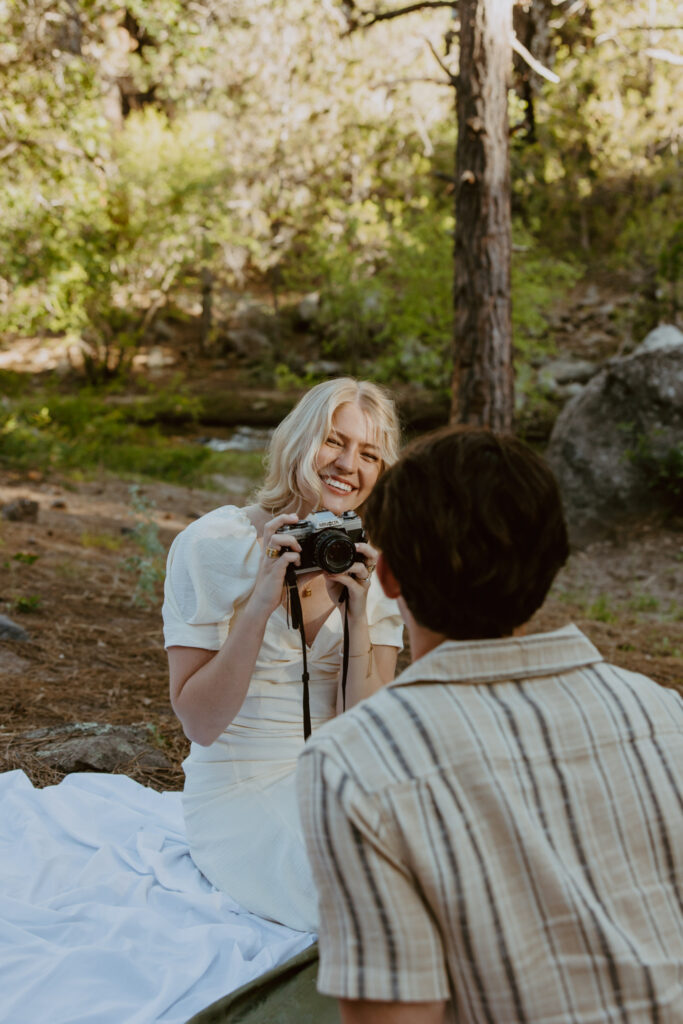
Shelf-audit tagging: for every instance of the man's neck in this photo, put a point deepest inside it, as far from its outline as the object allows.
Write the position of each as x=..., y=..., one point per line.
x=423, y=640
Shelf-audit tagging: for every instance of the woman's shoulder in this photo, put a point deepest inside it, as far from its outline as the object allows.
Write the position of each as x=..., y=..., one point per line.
x=225, y=521
x=212, y=564
x=225, y=536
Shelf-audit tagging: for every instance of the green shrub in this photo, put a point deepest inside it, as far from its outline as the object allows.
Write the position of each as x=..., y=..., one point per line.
x=86, y=433
x=662, y=468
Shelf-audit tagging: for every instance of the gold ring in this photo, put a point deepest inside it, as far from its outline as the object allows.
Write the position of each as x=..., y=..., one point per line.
x=371, y=566
x=273, y=552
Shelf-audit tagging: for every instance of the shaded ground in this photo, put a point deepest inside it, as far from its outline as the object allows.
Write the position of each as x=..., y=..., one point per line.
x=93, y=655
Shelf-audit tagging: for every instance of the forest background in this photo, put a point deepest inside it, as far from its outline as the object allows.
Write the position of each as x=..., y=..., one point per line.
x=175, y=175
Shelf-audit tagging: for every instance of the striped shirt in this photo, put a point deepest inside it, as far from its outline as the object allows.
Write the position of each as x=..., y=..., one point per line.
x=502, y=827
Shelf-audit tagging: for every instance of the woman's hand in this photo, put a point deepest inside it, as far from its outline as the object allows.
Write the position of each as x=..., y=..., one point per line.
x=356, y=579
x=279, y=551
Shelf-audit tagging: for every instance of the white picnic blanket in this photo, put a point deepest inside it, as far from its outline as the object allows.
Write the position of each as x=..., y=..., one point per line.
x=104, y=919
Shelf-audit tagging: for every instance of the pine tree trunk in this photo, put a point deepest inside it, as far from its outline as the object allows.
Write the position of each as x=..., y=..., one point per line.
x=483, y=391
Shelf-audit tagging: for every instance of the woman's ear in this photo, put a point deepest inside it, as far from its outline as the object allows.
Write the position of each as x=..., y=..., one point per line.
x=390, y=584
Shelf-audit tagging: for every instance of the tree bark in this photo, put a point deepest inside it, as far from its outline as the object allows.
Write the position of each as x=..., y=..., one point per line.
x=483, y=388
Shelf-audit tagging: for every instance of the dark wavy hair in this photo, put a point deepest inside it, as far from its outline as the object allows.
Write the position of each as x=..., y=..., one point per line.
x=470, y=523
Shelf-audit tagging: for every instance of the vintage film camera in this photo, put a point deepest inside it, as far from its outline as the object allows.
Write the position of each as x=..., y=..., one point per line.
x=327, y=541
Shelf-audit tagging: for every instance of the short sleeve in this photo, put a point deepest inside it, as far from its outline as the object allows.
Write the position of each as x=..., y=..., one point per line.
x=384, y=618
x=211, y=567
x=377, y=938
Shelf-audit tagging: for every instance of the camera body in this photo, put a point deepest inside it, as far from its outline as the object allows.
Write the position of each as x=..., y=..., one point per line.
x=327, y=541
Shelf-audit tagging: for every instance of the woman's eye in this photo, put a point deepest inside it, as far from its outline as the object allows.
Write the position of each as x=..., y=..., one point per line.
x=370, y=456
x=333, y=441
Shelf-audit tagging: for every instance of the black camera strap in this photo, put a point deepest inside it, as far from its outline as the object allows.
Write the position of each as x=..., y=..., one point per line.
x=297, y=618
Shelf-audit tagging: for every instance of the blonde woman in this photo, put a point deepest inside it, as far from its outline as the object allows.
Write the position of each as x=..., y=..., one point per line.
x=235, y=660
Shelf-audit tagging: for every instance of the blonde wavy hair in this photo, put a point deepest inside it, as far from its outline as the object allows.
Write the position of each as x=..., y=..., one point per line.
x=294, y=446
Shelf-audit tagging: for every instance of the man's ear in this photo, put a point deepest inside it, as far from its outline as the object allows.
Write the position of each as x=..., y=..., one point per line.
x=390, y=584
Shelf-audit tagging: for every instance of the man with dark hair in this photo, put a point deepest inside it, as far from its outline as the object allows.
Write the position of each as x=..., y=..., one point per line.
x=497, y=835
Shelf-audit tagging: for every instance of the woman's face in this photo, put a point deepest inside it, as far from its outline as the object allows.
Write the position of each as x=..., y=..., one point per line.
x=349, y=460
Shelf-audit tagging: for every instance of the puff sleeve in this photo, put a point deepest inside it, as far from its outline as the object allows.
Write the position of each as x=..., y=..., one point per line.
x=211, y=567
x=384, y=619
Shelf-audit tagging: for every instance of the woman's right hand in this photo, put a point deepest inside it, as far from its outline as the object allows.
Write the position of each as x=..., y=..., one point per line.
x=270, y=578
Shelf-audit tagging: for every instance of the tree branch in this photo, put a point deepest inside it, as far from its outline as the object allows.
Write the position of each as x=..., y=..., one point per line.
x=534, y=64
x=391, y=83
x=665, y=55
x=605, y=37
x=365, y=19
x=453, y=79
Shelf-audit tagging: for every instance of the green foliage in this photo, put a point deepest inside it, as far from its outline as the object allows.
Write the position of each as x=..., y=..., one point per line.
x=386, y=289
x=259, y=143
x=107, y=541
x=662, y=467
x=601, y=609
x=88, y=432
x=644, y=603
x=148, y=566
x=25, y=558
x=28, y=604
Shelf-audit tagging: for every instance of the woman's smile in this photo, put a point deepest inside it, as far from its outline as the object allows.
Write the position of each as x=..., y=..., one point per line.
x=348, y=462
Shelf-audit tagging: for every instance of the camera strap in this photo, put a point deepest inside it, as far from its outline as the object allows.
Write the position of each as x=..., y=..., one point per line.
x=297, y=618
x=294, y=604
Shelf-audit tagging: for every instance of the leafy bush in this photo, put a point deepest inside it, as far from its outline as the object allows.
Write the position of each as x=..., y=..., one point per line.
x=662, y=468
x=386, y=285
x=86, y=433
x=102, y=256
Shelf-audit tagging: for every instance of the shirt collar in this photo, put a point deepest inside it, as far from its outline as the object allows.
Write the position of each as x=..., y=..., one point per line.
x=514, y=657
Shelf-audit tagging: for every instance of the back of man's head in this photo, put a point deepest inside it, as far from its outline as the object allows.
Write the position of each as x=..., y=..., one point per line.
x=471, y=525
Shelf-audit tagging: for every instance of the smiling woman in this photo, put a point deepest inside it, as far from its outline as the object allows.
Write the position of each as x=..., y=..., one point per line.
x=235, y=661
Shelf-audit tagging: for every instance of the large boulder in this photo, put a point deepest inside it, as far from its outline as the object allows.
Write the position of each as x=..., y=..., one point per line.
x=614, y=443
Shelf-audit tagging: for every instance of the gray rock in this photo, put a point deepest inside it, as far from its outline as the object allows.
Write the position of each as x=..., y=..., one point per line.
x=21, y=510
x=325, y=368
x=246, y=342
x=93, y=747
x=308, y=307
x=570, y=371
x=665, y=336
x=635, y=404
x=158, y=358
x=10, y=630
x=11, y=664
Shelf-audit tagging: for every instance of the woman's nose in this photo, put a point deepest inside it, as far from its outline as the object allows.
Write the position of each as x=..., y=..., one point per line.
x=347, y=459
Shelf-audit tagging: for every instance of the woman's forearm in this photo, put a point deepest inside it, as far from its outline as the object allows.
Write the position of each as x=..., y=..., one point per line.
x=370, y=666
x=207, y=689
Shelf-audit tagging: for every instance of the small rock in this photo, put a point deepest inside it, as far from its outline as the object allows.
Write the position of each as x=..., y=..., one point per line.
x=158, y=358
x=325, y=368
x=21, y=510
x=58, y=503
x=11, y=663
x=571, y=371
x=10, y=630
x=309, y=307
x=91, y=746
x=247, y=343
x=663, y=337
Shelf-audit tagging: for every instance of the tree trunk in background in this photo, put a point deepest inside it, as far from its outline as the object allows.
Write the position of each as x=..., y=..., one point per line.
x=483, y=391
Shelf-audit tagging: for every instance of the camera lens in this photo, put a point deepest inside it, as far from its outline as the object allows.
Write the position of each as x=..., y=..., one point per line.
x=334, y=552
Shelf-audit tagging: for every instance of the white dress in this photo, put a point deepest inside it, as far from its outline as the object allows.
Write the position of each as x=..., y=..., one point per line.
x=239, y=798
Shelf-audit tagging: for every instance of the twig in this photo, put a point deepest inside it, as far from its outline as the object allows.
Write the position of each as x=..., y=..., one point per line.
x=533, y=63
x=453, y=79
x=355, y=18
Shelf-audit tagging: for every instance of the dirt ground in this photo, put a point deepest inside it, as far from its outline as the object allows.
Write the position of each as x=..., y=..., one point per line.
x=93, y=655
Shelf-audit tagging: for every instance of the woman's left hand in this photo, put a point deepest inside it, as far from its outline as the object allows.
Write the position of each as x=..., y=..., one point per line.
x=356, y=579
